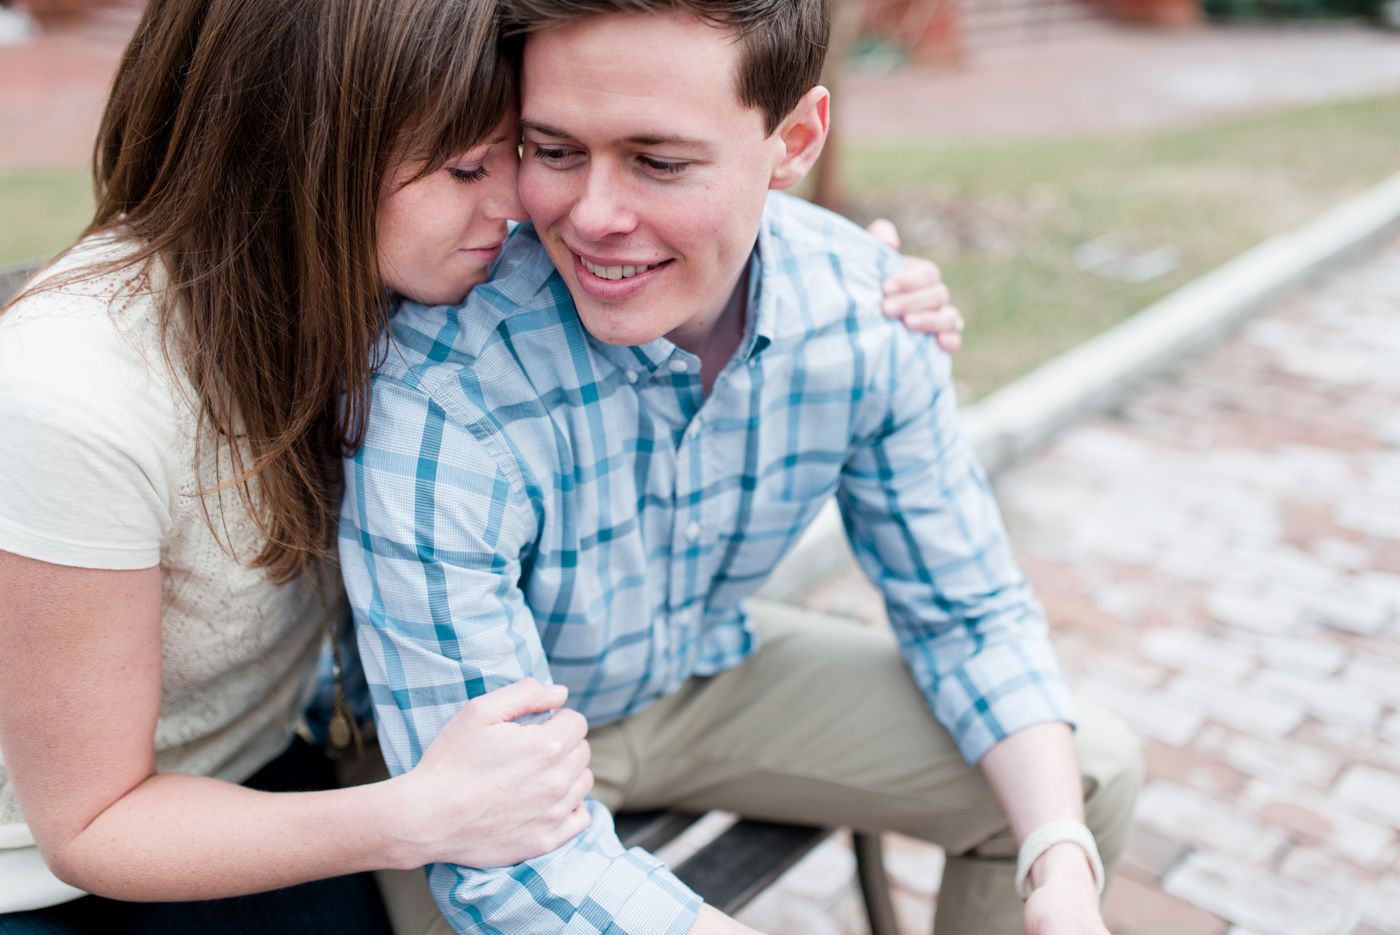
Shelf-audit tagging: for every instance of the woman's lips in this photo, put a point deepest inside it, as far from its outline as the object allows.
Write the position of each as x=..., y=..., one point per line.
x=486, y=253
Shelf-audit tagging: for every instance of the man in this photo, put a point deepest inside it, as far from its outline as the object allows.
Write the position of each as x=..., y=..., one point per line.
x=581, y=474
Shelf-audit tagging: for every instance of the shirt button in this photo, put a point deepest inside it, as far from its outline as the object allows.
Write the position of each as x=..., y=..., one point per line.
x=678, y=366
x=631, y=376
x=692, y=532
x=682, y=616
x=694, y=428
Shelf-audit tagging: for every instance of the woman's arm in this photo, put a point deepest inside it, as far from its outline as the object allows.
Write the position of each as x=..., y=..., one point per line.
x=80, y=688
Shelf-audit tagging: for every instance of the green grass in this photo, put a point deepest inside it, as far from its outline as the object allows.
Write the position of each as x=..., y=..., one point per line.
x=42, y=212
x=1002, y=218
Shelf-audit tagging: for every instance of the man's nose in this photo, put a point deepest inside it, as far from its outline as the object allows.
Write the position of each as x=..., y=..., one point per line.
x=602, y=208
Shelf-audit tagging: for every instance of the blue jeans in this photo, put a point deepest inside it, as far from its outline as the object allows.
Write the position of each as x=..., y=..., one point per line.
x=348, y=905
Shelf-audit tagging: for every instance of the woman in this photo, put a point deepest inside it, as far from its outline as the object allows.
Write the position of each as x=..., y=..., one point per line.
x=267, y=172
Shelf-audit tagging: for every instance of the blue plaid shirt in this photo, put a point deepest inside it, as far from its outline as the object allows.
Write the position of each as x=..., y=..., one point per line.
x=532, y=501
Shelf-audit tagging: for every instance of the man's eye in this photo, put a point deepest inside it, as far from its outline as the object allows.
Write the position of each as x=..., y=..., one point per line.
x=468, y=175
x=663, y=166
x=552, y=153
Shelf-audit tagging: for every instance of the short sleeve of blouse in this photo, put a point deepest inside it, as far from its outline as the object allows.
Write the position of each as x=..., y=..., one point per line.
x=87, y=432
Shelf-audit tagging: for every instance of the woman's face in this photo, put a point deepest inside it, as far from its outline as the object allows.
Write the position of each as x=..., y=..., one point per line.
x=439, y=234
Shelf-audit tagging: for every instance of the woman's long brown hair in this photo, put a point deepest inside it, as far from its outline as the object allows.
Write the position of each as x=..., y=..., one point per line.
x=244, y=147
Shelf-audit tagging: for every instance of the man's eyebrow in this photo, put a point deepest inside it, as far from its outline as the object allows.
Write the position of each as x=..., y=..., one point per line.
x=663, y=141
x=544, y=129
x=646, y=140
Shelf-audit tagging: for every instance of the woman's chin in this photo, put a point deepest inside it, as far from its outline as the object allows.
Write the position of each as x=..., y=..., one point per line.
x=452, y=292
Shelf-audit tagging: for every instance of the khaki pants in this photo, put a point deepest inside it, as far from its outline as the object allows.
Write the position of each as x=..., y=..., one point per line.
x=825, y=726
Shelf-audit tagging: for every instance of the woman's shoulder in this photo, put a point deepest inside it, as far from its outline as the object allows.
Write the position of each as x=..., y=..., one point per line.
x=98, y=280
x=90, y=316
x=91, y=417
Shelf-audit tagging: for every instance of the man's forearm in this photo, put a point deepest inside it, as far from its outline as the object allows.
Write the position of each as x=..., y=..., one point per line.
x=1035, y=776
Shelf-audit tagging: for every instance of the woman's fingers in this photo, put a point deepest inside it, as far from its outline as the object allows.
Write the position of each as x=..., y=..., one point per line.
x=519, y=699
x=567, y=727
x=575, y=761
x=579, y=789
x=918, y=273
x=925, y=299
x=920, y=298
x=575, y=824
x=946, y=324
x=883, y=230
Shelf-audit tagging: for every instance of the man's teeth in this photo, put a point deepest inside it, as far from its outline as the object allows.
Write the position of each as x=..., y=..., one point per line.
x=615, y=272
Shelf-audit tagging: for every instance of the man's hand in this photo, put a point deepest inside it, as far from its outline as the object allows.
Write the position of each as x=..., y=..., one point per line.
x=1035, y=776
x=1065, y=900
x=918, y=295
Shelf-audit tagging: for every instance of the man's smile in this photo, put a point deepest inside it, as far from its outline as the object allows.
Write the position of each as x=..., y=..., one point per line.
x=613, y=280
x=615, y=271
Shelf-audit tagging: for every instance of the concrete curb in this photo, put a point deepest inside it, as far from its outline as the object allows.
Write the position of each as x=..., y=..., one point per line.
x=1098, y=375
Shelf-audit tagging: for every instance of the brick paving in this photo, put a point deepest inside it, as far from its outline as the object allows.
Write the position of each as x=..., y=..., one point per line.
x=52, y=90
x=1118, y=78
x=1221, y=566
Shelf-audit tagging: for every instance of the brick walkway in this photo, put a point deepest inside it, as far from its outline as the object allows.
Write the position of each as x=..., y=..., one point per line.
x=1221, y=567
x=1120, y=78
x=52, y=90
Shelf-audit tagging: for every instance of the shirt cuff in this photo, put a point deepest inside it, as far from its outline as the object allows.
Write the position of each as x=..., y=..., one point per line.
x=590, y=886
x=1001, y=689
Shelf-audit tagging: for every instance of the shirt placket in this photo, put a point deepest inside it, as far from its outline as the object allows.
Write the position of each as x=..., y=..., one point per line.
x=687, y=525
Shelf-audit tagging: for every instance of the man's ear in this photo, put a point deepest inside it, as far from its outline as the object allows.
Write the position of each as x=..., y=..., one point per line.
x=802, y=134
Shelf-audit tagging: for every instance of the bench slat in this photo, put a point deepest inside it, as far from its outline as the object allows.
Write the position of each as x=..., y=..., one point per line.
x=651, y=830
x=736, y=866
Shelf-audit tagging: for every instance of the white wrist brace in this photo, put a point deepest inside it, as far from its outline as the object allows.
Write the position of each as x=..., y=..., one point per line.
x=1046, y=837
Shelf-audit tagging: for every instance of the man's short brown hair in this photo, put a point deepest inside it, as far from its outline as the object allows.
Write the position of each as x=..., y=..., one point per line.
x=782, y=42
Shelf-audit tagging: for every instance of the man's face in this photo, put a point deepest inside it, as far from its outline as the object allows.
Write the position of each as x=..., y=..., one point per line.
x=644, y=174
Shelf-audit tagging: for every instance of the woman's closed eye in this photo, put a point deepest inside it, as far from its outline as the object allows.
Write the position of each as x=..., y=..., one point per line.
x=467, y=175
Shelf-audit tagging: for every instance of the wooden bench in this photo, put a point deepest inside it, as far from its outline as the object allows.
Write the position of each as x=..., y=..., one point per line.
x=744, y=859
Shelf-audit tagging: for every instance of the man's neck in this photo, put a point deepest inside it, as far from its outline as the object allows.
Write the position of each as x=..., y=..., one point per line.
x=714, y=339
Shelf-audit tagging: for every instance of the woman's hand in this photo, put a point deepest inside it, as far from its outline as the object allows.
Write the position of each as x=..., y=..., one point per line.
x=489, y=792
x=80, y=690
x=918, y=295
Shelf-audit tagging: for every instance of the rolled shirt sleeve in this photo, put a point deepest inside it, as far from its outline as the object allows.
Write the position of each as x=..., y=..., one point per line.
x=925, y=527
x=434, y=528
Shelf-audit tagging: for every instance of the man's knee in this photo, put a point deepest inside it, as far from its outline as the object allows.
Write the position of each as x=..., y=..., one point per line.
x=1110, y=761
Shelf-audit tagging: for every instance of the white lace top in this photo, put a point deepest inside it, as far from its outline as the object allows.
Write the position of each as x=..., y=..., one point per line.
x=97, y=454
